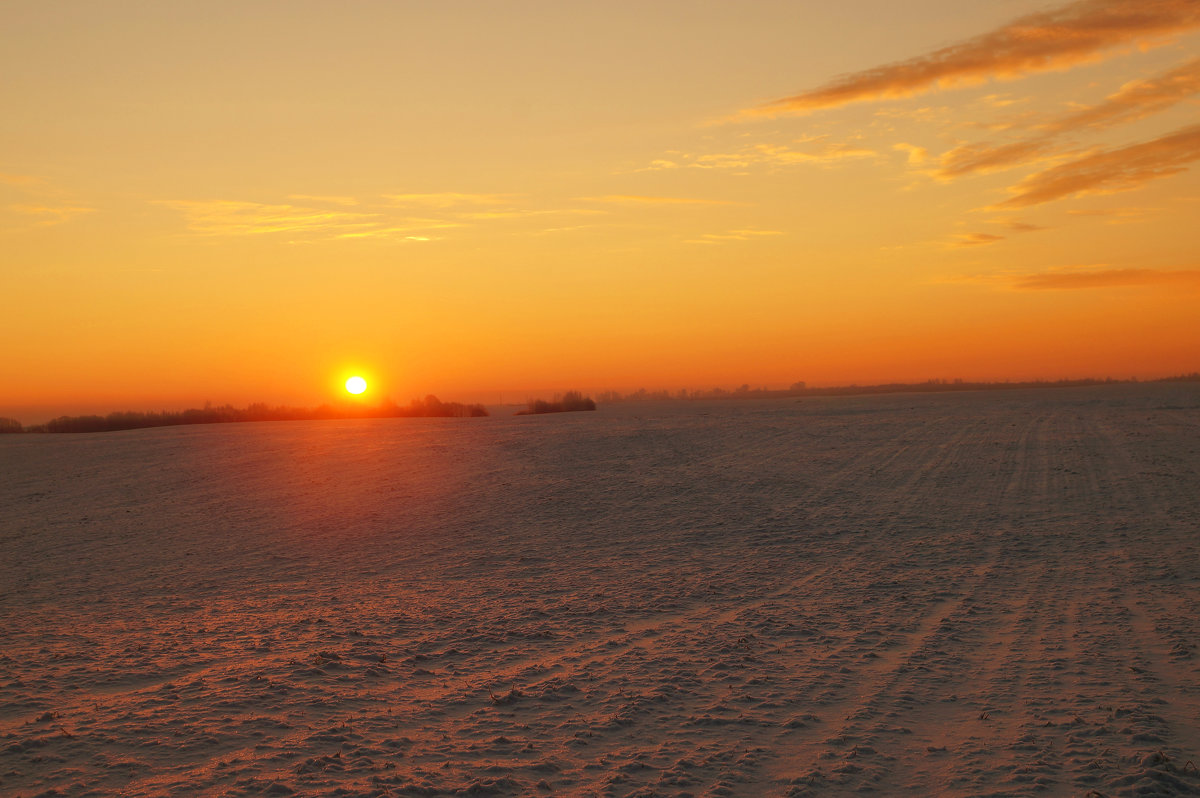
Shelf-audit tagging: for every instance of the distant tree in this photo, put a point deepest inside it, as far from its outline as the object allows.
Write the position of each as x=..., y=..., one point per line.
x=569, y=402
x=8, y=425
x=574, y=400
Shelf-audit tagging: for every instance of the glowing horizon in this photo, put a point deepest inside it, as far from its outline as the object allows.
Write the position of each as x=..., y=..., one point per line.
x=460, y=202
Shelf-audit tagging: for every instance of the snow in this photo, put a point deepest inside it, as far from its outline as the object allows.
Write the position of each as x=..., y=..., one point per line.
x=961, y=594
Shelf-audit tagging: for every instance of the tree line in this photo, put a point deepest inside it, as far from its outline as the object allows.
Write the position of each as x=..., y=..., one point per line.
x=570, y=401
x=430, y=406
x=929, y=386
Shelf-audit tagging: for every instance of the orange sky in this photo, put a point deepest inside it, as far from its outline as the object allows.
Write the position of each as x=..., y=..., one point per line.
x=247, y=201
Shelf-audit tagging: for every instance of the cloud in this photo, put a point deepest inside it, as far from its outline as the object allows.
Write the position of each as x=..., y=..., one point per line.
x=1115, y=215
x=984, y=158
x=50, y=214
x=324, y=199
x=817, y=150
x=999, y=100
x=393, y=233
x=447, y=199
x=1107, y=278
x=1012, y=226
x=417, y=217
x=1072, y=34
x=230, y=217
x=19, y=180
x=975, y=239
x=569, y=229
x=637, y=199
x=516, y=213
x=1018, y=226
x=1110, y=171
x=1137, y=99
x=916, y=155
x=733, y=235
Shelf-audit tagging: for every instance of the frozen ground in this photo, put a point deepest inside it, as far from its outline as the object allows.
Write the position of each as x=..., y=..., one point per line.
x=976, y=594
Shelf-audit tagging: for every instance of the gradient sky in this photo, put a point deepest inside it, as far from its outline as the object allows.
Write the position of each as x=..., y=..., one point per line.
x=247, y=201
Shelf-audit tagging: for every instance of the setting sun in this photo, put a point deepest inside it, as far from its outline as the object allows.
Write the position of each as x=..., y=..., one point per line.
x=356, y=385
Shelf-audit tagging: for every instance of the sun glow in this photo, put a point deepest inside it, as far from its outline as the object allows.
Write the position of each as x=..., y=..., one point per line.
x=356, y=385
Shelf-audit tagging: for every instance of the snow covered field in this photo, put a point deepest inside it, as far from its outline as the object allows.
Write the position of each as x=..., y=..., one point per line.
x=974, y=594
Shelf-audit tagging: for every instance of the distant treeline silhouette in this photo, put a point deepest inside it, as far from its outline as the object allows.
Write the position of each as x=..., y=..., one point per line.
x=929, y=386
x=430, y=406
x=570, y=401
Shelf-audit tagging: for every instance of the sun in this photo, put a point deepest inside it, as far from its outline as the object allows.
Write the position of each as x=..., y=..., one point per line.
x=356, y=385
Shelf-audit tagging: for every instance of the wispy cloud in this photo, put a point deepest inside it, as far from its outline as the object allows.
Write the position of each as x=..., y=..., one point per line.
x=999, y=100
x=399, y=217
x=1111, y=170
x=1072, y=34
x=324, y=199
x=1115, y=215
x=1107, y=278
x=916, y=155
x=979, y=239
x=984, y=158
x=396, y=233
x=732, y=235
x=524, y=213
x=30, y=201
x=230, y=217
x=1135, y=100
x=448, y=199
x=1018, y=226
x=817, y=151
x=50, y=214
x=19, y=180
x=638, y=199
x=975, y=239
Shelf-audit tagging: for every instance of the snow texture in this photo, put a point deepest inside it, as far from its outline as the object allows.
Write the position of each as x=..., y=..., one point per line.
x=959, y=594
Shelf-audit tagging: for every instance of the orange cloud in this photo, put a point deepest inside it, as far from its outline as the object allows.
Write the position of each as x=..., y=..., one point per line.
x=229, y=217
x=1076, y=33
x=818, y=151
x=732, y=235
x=1112, y=170
x=1018, y=226
x=19, y=180
x=636, y=199
x=1013, y=226
x=446, y=199
x=324, y=198
x=984, y=158
x=1137, y=99
x=51, y=214
x=975, y=239
x=1108, y=278
x=916, y=155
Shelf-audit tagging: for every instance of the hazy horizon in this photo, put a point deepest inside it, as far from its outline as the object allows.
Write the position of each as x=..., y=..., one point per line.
x=40, y=414
x=242, y=202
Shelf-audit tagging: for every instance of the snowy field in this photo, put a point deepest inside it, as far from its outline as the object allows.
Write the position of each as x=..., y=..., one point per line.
x=976, y=594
